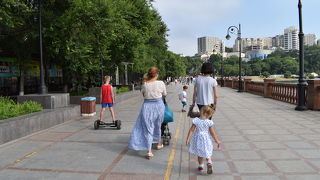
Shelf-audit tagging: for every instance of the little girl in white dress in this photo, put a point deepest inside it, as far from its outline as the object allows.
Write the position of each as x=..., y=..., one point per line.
x=201, y=142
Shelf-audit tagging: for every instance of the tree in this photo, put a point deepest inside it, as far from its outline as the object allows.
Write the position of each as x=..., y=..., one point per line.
x=86, y=37
x=216, y=60
x=287, y=74
x=19, y=32
x=227, y=49
x=312, y=59
x=174, y=65
x=193, y=65
x=266, y=74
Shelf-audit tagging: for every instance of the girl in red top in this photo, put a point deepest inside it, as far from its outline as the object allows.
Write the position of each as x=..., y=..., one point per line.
x=106, y=98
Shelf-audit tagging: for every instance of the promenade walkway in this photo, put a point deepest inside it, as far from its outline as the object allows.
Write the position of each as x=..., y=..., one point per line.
x=261, y=139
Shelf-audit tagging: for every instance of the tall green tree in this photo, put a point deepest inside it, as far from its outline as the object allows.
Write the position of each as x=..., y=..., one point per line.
x=18, y=33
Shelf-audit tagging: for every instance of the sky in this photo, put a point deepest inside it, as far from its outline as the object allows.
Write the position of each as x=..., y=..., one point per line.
x=189, y=19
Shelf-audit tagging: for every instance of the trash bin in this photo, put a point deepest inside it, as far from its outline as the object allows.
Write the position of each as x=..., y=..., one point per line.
x=88, y=106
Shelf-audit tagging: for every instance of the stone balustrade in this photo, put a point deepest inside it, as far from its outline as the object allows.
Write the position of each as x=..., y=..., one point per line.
x=269, y=88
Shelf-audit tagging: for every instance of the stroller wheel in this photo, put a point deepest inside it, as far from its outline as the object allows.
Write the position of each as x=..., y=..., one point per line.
x=165, y=142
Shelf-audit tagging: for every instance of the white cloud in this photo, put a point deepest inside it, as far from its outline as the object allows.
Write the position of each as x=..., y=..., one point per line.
x=189, y=19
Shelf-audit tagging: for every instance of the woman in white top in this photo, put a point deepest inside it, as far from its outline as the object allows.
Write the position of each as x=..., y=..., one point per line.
x=205, y=88
x=147, y=129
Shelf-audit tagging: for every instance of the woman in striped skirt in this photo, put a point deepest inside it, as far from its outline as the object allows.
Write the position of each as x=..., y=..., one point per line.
x=147, y=129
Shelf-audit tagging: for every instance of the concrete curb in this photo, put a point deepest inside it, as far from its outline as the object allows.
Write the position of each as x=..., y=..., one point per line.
x=17, y=127
x=14, y=128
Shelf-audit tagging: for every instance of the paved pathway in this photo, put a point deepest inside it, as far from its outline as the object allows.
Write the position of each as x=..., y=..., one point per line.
x=262, y=139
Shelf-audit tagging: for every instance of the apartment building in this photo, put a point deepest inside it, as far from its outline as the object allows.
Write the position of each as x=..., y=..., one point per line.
x=209, y=45
x=291, y=40
x=310, y=39
x=249, y=44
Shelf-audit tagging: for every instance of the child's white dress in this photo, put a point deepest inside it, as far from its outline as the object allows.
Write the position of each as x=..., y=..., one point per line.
x=201, y=142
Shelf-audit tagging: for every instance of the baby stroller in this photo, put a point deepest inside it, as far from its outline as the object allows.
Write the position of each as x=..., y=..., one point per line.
x=165, y=133
x=168, y=117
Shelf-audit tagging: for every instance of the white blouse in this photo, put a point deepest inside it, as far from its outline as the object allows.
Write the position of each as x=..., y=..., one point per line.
x=154, y=90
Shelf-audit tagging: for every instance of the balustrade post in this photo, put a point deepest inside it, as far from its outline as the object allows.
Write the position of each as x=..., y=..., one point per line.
x=268, y=87
x=218, y=80
x=313, y=94
x=234, y=81
x=246, y=84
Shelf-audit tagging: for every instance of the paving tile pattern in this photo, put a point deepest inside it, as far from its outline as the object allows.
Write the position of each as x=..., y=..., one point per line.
x=262, y=139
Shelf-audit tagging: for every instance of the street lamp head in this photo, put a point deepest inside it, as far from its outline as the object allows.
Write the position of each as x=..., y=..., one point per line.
x=228, y=37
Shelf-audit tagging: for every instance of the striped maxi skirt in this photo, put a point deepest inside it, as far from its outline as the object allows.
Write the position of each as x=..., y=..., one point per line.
x=147, y=129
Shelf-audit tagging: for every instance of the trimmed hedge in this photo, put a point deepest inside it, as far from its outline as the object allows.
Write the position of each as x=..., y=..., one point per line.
x=8, y=108
x=122, y=89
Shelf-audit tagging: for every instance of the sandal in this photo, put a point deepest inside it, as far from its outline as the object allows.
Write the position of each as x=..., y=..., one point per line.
x=209, y=168
x=159, y=147
x=149, y=156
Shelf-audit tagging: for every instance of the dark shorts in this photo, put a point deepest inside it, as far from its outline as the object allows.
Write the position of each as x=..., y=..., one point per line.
x=200, y=106
x=184, y=103
x=104, y=105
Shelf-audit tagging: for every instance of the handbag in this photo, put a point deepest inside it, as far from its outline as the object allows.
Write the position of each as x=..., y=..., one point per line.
x=168, y=114
x=192, y=113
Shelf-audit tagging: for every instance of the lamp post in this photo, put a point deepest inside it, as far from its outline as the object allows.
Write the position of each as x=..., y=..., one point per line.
x=237, y=30
x=126, y=71
x=302, y=82
x=43, y=88
x=221, y=63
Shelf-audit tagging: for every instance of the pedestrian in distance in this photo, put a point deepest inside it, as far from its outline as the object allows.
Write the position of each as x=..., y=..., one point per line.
x=183, y=97
x=199, y=140
x=205, y=88
x=147, y=129
x=107, y=99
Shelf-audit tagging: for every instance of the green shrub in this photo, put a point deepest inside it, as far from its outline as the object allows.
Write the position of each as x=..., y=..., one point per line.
x=122, y=89
x=8, y=108
x=311, y=76
x=266, y=74
x=31, y=106
x=80, y=93
x=287, y=74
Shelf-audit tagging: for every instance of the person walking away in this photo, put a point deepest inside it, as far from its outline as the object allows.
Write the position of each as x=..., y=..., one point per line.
x=147, y=129
x=199, y=140
x=205, y=88
x=107, y=99
x=183, y=97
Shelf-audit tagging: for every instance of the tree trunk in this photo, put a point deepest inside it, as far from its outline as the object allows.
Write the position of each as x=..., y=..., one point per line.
x=65, y=81
x=21, y=83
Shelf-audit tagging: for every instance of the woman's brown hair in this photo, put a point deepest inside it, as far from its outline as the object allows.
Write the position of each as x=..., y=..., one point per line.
x=152, y=72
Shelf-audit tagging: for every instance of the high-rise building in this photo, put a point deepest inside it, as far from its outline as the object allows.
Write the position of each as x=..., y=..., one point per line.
x=318, y=42
x=278, y=41
x=310, y=39
x=248, y=44
x=291, y=40
x=208, y=45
